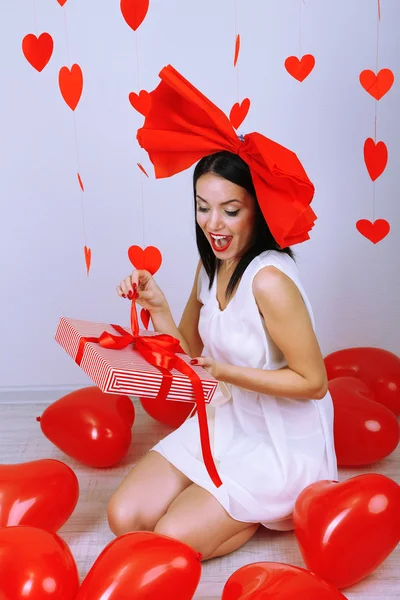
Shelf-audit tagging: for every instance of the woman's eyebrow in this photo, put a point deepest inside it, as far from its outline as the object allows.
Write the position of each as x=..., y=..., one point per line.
x=222, y=203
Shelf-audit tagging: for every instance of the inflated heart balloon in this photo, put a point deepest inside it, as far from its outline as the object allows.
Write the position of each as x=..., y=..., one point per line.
x=90, y=426
x=149, y=259
x=379, y=369
x=168, y=412
x=145, y=566
x=346, y=530
x=42, y=493
x=262, y=580
x=36, y=565
x=364, y=430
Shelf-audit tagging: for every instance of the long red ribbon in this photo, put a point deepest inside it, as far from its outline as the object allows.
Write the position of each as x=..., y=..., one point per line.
x=159, y=351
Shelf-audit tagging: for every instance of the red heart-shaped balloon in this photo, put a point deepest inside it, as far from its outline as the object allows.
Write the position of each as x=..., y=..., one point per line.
x=134, y=12
x=38, y=50
x=379, y=369
x=300, y=69
x=346, y=530
x=262, y=580
x=168, y=412
x=143, y=565
x=149, y=259
x=71, y=85
x=36, y=565
x=42, y=493
x=364, y=431
x=90, y=426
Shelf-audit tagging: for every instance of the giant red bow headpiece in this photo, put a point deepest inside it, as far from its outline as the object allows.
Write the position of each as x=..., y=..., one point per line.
x=182, y=126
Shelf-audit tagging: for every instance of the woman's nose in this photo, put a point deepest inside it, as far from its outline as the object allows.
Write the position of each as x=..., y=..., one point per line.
x=214, y=221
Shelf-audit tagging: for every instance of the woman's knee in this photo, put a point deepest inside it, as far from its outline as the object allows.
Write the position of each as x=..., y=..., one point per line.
x=124, y=517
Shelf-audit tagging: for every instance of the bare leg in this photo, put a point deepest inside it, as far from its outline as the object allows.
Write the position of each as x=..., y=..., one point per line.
x=145, y=494
x=198, y=519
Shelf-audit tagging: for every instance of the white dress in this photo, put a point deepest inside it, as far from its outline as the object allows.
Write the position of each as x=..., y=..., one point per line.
x=267, y=449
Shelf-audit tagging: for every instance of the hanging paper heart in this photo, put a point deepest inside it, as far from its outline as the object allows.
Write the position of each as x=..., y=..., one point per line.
x=36, y=565
x=364, y=431
x=145, y=317
x=38, y=51
x=41, y=493
x=300, y=69
x=379, y=369
x=143, y=565
x=90, y=426
x=237, y=49
x=142, y=169
x=88, y=258
x=134, y=12
x=377, y=85
x=149, y=259
x=141, y=102
x=376, y=157
x=71, y=85
x=374, y=232
x=263, y=580
x=239, y=113
x=346, y=530
x=80, y=182
x=61, y=2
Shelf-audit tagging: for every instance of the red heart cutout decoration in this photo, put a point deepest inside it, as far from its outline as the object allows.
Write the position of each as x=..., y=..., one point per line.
x=375, y=157
x=262, y=580
x=300, y=69
x=375, y=232
x=142, y=169
x=149, y=259
x=346, y=530
x=377, y=85
x=38, y=51
x=61, y=2
x=237, y=50
x=134, y=12
x=145, y=317
x=35, y=565
x=379, y=369
x=143, y=565
x=90, y=426
x=141, y=102
x=80, y=182
x=239, y=113
x=71, y=85
x=88, y=258
x=42, y=493
x=364, y=430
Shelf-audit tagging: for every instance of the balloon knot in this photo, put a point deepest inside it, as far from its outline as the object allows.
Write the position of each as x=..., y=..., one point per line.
x=199, y=556
x=38, y=419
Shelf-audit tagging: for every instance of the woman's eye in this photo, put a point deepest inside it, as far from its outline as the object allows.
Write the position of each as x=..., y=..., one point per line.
x=230, y=213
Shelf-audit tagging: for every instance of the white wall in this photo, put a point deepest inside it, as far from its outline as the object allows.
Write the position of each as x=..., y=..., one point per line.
x=354, y=286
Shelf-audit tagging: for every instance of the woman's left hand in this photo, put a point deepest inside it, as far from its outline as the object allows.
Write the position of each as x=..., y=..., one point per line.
x=208, y=363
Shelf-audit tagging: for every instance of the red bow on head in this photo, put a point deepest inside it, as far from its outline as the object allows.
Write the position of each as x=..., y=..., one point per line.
x=183, y=125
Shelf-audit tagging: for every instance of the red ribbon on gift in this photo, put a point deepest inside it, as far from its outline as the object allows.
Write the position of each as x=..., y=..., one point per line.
x=159, y=351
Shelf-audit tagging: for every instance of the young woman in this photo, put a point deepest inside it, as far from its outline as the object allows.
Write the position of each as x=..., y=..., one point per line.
x=249, y=322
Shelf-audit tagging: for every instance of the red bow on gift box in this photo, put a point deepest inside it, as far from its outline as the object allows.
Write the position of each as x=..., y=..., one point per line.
x=160, y=351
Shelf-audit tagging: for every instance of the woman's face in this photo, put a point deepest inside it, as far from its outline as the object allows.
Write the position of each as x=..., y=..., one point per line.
x=225, y=212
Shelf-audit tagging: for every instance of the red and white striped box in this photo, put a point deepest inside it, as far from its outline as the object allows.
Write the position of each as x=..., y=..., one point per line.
x=125, y=371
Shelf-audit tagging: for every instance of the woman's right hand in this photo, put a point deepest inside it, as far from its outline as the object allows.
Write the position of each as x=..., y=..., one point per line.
x=148, y=294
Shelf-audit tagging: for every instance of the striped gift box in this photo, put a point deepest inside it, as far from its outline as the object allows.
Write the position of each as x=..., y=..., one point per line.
x=126, y=371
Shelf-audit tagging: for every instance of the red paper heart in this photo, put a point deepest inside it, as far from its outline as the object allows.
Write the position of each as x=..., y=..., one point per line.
x=376, y=157
x=71, y=85
x=364, y=431
x=263, y=580
x=237, y=49
x=143, y=564
x=375, y=231
x=61, y=2
x=90, y=426
x=379, y=369
x=377, y=85
x=35, y=565
x=134, y=12
x=149, y=259
x=141, y=102
x=239, y=113
x=300, y=69
x=145, y=317
x=42, y=493
x=142, y=169
x=346, y=530
x=80, y=182
x=38, y=51
x=88, y=258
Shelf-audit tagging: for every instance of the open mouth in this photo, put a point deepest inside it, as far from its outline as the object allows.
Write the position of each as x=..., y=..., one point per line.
x=220, y=242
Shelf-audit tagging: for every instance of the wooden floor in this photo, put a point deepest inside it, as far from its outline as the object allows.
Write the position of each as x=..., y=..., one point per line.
x=87, y=532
